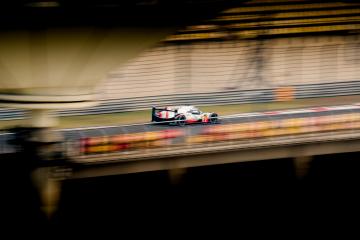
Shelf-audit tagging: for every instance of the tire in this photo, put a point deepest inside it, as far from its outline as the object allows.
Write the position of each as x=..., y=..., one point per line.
x=181, y=121
x=213, y=118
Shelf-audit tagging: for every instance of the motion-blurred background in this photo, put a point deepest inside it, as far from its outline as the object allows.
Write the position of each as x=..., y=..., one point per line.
x=283, y=76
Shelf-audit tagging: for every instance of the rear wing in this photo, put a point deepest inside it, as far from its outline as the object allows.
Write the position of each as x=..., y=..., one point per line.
x=156, y=111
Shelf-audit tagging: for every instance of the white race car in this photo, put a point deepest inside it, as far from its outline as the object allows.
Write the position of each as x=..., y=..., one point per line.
x=181, y=115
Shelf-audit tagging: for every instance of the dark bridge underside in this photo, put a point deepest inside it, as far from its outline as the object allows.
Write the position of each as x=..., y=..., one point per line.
x=33, y=13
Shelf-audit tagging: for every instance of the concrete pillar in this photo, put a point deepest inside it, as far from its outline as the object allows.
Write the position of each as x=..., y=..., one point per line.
x=49, y=190
x=302, y=165
x=42, y=118
x=41, y=149
x=176, y=175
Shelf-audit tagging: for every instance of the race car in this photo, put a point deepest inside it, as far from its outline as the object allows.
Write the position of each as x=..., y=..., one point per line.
x=181, y=115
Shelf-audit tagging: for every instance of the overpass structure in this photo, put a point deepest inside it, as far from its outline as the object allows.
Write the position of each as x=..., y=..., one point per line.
x=300, y=148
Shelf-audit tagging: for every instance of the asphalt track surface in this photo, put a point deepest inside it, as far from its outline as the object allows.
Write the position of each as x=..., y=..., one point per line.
x=75, y=134
x=196, y=128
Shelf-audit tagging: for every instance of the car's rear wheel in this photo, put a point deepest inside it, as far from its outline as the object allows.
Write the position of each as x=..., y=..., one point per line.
x=181, y=120
x=213, y=118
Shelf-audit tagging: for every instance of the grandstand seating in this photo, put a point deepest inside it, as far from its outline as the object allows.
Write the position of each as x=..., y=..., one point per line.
x=273, y=44
x=204, y=67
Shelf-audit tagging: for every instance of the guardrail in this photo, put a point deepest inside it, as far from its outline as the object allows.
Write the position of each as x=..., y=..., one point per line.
x=215, y=98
